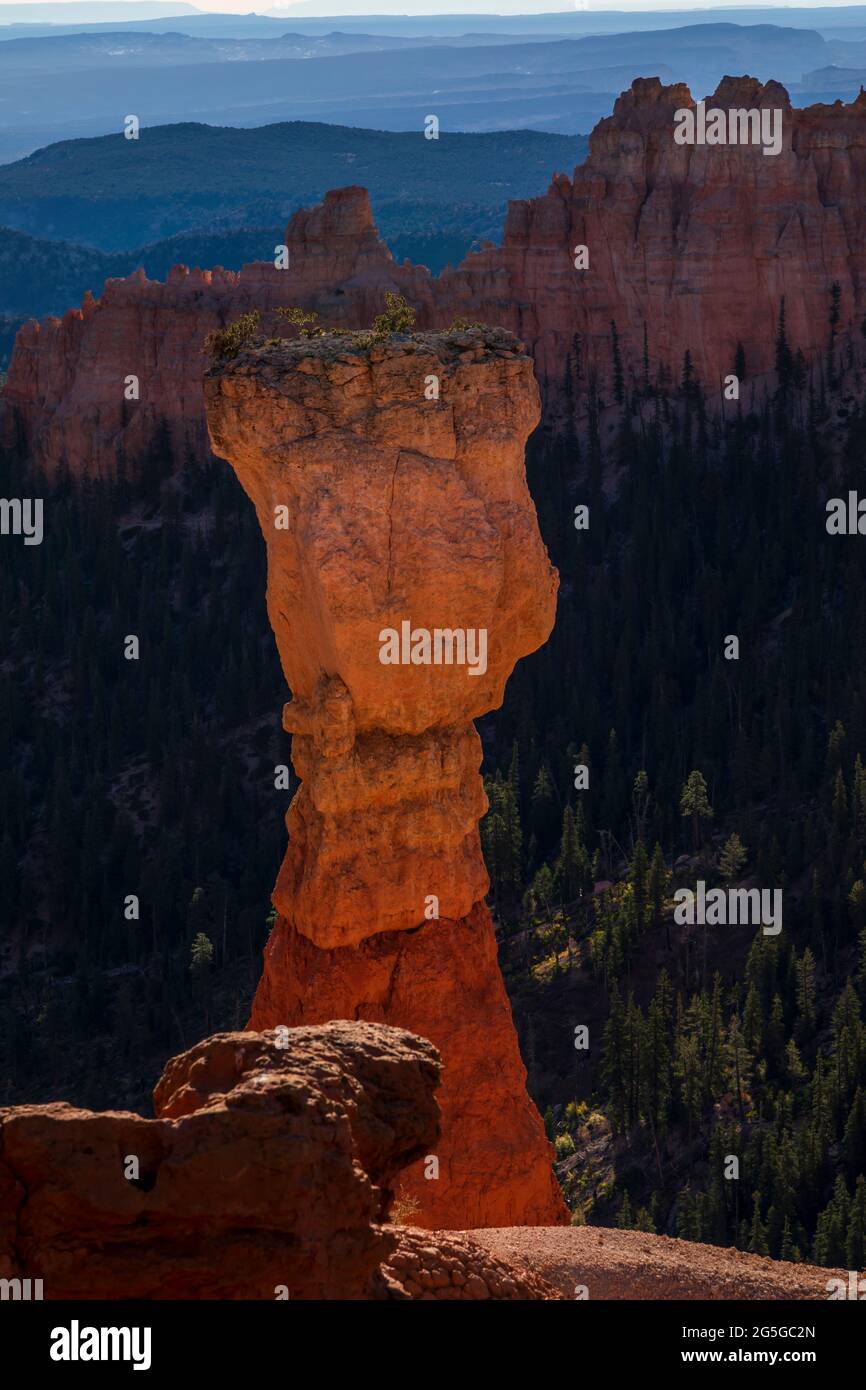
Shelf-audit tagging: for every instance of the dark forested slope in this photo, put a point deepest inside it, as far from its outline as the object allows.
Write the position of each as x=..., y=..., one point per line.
x=116, y=194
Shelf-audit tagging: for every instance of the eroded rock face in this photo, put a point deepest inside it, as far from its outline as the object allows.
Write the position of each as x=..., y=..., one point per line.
x=691, y=248
x=385, y=507
x=269, y=1165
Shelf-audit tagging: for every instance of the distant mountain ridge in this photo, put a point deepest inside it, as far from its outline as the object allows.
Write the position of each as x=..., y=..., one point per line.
x=116, y=195
x=36, y=52
x=569, y=23
x=74, y=85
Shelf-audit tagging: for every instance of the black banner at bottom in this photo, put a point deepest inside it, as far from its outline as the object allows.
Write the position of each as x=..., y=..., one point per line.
x=244, y=1339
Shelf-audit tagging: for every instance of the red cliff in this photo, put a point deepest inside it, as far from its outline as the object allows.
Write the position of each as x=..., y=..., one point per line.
x=406, y=577
x=691, y=248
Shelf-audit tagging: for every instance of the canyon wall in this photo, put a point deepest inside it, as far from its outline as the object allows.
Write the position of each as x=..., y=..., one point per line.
x=691, y=248
x=406, y=576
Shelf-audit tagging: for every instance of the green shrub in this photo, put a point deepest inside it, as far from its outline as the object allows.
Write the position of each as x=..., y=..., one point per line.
x=399, y=317
x=225, y=343
x=305, y=320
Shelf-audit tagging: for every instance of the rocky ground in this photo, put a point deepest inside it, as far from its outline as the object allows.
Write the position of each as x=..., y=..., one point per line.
x=614, y=1264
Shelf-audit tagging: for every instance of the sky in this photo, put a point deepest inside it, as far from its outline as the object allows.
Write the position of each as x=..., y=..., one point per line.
x=323, y=7
x=311, y=8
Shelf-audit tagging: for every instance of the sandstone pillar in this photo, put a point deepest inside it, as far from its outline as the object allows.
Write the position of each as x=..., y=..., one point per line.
x=406, y=576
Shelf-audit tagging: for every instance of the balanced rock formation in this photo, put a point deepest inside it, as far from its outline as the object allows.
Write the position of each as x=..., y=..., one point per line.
x=406, y=576
x=690, y=248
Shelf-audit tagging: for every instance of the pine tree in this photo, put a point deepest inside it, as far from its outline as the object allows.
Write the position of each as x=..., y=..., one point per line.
x=753, y=1021
x=612, y=788
x=625, y=1219
x=502, y=843
x=806, y=1015
x=840, y=803
x=618, y=381
x=640, y=798
x=789, y=1251
x=740, y=362
x=614, y=1061
x=687, y=378
x=854, y=1135
x=855, y=1238
x=638, y=878
x=657, y=885
x=857, y=904
x=572, y=868
x=835, y=747
x=688, y=1071
x=794, y=1068
x=784, y=361
x=849, y=1043
x=833, y=320
x=201, y=960
x=739, y=1064
x=695, y=803
x=858, y=801
x=543, y=810
x=758, y=1231
x=713, y=1044
x=657, y=1067
x=829, y=1246
x=644, y=1221
x=732, y=859
x=775, y=1035
x=541, y=893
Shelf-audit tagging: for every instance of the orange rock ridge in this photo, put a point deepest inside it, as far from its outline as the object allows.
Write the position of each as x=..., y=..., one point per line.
x=268, y=1173
x=691, y=248
x=397, y=508
x=270, y=1163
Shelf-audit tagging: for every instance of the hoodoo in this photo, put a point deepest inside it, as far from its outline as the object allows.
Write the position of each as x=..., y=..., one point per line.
x=396, y=507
